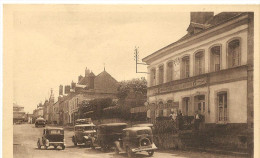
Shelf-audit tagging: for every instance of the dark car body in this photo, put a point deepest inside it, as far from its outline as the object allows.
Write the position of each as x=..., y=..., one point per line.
x=52, y=137
x=107, y=134
x=40, y=122
x=136, y=139
x=83, y=134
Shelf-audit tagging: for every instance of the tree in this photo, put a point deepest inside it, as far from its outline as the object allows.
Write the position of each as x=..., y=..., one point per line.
x=136, y=85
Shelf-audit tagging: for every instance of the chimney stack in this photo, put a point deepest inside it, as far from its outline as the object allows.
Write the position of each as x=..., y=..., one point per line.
x=73, y=85
x=79, y=78
x=87, y=72
x=67, y=89
x=61, y=90
x=200, y=17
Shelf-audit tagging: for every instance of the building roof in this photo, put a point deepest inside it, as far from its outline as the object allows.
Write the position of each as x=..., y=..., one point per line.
x=211, y=23
x=105, y=74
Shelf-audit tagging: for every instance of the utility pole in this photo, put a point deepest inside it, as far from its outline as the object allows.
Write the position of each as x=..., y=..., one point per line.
x=136, y=56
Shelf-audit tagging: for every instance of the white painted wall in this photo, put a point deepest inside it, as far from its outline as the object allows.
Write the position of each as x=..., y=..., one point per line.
x=222, y=39
x=237, y=101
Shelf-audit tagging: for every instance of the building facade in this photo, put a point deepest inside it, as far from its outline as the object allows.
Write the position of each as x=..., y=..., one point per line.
x=18, y=113
x=209, y=71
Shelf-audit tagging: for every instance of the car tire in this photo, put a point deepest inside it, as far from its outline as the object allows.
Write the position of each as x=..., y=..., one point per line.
x=74, y=141
x=63, y=147
x=116, y=150
x=55, y=147
x=150, y=153
x=38, y=145
x=129, y=153
x=86, y=144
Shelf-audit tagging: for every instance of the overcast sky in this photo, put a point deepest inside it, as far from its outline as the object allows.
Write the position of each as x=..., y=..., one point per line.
x=52, y=44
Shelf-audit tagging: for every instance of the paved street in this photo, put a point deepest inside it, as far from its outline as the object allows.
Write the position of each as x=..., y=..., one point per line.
x=25, y=139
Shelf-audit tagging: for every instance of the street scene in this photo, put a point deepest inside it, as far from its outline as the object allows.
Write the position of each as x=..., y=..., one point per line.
x=131, y=81
x=26, y=135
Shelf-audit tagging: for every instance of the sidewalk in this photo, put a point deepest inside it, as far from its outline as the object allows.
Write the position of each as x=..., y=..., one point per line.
x=218, y=151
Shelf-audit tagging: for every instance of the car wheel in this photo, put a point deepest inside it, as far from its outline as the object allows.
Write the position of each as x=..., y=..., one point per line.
x=74, y=141
x=46, y=147
x=39, y=145
x=55, y=147
x=86, y=144
x=116, y=150
x=63, y=147
x=150, y=153
x=129, y=153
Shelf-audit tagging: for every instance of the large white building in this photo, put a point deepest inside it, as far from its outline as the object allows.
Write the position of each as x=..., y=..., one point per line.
x=209, y=70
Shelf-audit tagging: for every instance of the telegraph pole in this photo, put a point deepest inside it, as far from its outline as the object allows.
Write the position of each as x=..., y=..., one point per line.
x=136, y=55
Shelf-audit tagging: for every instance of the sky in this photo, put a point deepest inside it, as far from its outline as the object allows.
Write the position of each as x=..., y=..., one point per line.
x=53, y=44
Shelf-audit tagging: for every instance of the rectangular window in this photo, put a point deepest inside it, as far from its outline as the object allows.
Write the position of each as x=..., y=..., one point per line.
x=185, y=67
x=222, y=107
x=161, y=74
x=215, y=58
x=199, y=63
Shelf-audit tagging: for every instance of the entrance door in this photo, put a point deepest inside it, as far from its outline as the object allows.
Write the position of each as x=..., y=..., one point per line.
x=200, y=104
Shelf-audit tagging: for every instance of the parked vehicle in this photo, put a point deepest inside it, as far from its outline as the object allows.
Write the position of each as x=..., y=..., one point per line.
x=83, y=134
x=107, y=134
x=52, y=137
x=136, y=139
x=40, y=122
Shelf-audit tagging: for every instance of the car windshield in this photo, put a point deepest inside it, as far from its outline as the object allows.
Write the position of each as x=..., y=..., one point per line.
x=85, y=128
x=88, y=128
x=55, y=131
x=141, y=132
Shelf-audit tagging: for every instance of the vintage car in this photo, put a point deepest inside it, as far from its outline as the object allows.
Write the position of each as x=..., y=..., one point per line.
x=136, y=139
x=83, y=134
x=52, y=137
x=107, y=134
x=40, y=122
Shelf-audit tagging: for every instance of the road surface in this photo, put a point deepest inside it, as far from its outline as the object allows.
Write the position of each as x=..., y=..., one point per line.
x=26, y=135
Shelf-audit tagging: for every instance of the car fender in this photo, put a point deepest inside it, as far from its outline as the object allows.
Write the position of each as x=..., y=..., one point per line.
x=86, y=137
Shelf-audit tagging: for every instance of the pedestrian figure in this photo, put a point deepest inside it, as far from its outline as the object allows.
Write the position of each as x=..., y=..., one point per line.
x=197, y=120
x=180, y=120
x=173, y=116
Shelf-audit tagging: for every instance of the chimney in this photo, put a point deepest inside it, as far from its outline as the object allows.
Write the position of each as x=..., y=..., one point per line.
x=91, y=79
x=87, y=72
x=198, y=21
x=67, y=89
x=79, y=78
x=200, y=17
x=73, y=85
x=61, y=90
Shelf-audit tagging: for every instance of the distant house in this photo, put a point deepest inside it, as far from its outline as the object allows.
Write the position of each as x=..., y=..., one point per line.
x=88, y=87
x=18, y=113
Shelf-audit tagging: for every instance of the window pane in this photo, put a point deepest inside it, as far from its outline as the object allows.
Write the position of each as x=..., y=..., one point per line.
x=234, y=53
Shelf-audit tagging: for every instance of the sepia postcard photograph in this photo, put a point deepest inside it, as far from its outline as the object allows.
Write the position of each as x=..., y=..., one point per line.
x=132, y=80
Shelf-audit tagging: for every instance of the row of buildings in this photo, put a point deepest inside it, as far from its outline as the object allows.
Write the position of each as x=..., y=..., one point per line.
x=65, y=110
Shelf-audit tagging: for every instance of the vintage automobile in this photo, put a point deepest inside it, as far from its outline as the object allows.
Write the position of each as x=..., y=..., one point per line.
x=52, y=137
x=83, y=134
x=107, y=134
x=40, y=122
x=136, y=139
